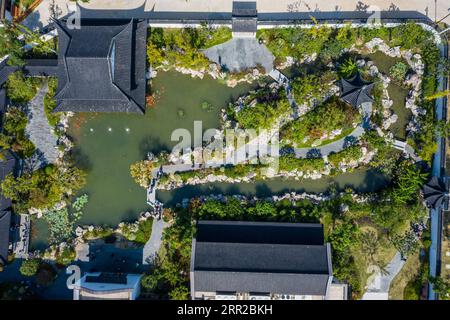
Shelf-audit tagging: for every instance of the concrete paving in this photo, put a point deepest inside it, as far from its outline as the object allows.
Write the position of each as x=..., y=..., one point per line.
x=378, y=288
x=151, y=248
x=240, y=54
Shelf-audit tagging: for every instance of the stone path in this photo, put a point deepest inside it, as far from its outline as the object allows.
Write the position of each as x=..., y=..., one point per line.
x=152, y=246
x=22, y=242
x=239, y=54
x=38, y=129
x=378, y=289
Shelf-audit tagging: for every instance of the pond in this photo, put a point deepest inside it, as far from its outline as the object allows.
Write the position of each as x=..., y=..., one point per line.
x=397, y=94
x=107, y=144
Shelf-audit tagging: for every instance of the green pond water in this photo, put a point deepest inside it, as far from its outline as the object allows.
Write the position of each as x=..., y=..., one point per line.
x=397, y=94
x=107, y=144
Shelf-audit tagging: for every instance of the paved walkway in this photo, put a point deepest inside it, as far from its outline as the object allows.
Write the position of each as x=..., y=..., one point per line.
x=378, y=289
x=240, y=54
x=22, y=242
x=38, y=129
x=433, y=9
x=152, y=246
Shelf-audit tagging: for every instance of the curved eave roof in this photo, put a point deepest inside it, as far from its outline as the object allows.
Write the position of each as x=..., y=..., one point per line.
x=356, y=91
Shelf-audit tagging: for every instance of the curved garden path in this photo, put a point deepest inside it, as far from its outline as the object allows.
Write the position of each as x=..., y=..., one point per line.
x=38, y=129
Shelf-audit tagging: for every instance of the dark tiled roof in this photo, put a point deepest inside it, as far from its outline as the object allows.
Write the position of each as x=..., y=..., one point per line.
x=5, y=223
x=102, y=67
x=244, y=25
x=244, y=9
x=356, y=91
x=283, y=283
x=261, y=257
x=105, y=277
x=260, y=232
x=436, y=193
x=266, y=258
x=32, y=67
x=2, y=102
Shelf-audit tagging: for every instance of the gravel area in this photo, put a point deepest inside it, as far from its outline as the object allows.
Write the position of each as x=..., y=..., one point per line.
x=39, y=131
x=241, y=54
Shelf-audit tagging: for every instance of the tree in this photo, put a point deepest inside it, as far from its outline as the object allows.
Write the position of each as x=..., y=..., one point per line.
x=10, y=44
x=19, y=88
x=408, y=181
x=40, y=190
x=29, y=267
x=441, y=287
x=343, y=237
x=438, y=95
x=406, y=244
x=179, y=293
x=142, y=171
x=370, y=244
x=348, y=68
x=398, y=72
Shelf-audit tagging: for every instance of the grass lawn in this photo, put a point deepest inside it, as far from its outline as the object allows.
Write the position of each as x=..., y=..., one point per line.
x=445, y=272
x=386, y=252
x=145, y=231
x=409, y=271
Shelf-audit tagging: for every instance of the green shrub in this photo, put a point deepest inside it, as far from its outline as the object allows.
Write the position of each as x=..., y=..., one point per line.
x=144, y=232
x=265, y=112
x=312, y=86
x=66, y=256
x=348, y=154
x=323, y=119
x=98, y=233
x=398, y=72
x=50, y=103
x=13, y=136
x=29, y=267
x=348, y=69
x=39, y=190
x=21, y=89
x=291, y=163
x=182, y=47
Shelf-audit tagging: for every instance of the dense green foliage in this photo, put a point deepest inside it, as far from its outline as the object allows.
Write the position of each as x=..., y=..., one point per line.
x=170, y=276
x=41, y=189
x=30, y=267
x=298, y=42
x=263, y=112
x=182, y=47
x=348, y=68
x=351, y=153
x=312, y=86
x=398, y=72
x=20, y=88
x=291, y=163
x=13, y=136
x=139, y=232
x=441, y=287
x=10, y=44
x=323, y=119
x=66, y=256
x=50, y=102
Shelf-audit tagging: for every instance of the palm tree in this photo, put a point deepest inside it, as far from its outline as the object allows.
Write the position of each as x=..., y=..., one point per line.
x=348, y=68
